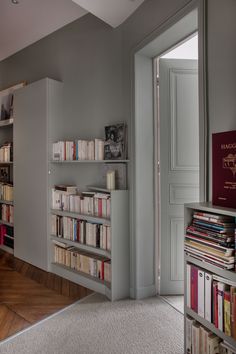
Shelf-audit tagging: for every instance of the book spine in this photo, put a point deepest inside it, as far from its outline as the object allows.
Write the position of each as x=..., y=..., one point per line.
x=234, y=315
x=227, y=319
x=201, y=281
x=215, y=303
x=221, y=287
x=208, y=297
x=194, y=288
x=189, y=323
x=188, y=295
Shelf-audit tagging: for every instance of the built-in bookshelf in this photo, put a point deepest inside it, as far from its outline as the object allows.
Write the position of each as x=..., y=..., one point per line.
x=38, y=123
x=6, y=186
x=110, y=256
x=210, y=277
x=204, y=338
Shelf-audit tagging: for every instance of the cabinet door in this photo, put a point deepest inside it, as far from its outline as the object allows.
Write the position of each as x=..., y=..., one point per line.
x=31, y=174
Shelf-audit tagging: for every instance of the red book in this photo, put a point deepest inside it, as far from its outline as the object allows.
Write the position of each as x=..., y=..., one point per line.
x=234, y=314
x=224, y=169
x=194, y=288
x=215, y=303
x=78, y=231
x=100, y=207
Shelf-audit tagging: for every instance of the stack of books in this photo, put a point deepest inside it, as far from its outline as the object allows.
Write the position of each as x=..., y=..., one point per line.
x=91, y=234
x=86, y=203
x=78, y=150
x=6, y=192
x=210, y=237
x=200, y=340
x=7, y=236
x=6, y=152
x=81, y=261
x=7, y=213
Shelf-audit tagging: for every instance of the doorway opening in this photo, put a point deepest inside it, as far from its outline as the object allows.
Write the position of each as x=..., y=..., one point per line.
x=177, y=160
x=143, y=208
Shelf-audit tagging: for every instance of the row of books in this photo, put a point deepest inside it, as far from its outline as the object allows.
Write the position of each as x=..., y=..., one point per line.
x=6, y=192
x=200, y=340
x=7, y=213
x=87, y=203
x=78, y=150
x=210, y=237
x=94, y=265
x=7, y=235
x=213, y=298
x=81, y=231
x=6, y=152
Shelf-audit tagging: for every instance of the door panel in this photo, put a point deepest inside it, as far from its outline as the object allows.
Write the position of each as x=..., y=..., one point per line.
x=179, y=163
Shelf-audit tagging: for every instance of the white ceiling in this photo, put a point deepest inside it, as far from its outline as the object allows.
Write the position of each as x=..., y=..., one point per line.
x=31, y=20
x=114, y=12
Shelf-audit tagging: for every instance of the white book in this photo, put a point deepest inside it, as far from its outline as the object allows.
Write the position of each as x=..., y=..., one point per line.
x=213, y=344
x=189, y=322
x=201, y=297
x=108, y=238
x=195, y=338
x=188, y=294
x=208, y=297
x=204, y=333
x=221, y=288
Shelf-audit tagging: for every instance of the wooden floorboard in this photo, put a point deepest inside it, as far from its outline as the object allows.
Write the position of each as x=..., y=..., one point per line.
x=28, y=294
x=10, y=322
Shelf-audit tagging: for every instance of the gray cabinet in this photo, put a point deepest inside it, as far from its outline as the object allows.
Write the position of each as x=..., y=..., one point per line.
x=37, y=108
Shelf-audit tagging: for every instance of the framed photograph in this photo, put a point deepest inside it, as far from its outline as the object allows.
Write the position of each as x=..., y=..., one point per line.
x=5, y=174
x=7, y=100
x=115, y=145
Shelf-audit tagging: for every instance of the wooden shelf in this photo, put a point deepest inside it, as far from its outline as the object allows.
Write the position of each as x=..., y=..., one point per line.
x=91, y=218
x=6, y=163
x=7, y=249
x=9, y=202
x=210, y=326
x=89, y=161
x=210, y=208
x=83, y=247
x=102, y=189
x=6, y=223
x=85, y=280
x=227, y=274
x=6, y=122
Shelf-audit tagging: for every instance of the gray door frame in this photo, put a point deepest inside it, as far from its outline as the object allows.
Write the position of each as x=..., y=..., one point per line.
x=142, y=207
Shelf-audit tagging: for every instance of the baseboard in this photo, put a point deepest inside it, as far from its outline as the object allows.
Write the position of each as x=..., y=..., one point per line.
x=142, y=293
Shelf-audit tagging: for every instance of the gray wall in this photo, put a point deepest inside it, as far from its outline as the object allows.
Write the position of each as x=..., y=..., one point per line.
x=94, y=62
x=221, y=69
x=87, y=56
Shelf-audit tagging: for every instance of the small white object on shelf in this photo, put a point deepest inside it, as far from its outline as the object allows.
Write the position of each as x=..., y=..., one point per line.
x=111, y=180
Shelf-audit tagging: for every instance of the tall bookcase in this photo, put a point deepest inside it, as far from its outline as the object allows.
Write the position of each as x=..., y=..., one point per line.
x=119, y=254
x=39, y=122
x=205, y=266
x=6, y=135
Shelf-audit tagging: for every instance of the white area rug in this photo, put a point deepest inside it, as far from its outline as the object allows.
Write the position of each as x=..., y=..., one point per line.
x=95, y=325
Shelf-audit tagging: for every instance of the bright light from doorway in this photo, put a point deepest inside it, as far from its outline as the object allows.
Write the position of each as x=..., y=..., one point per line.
x=187, y=50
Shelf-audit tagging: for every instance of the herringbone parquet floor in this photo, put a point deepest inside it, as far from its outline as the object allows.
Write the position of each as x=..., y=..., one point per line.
x=24, y=301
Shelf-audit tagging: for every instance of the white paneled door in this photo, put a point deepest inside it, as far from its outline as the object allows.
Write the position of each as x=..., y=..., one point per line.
x=179, y=164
